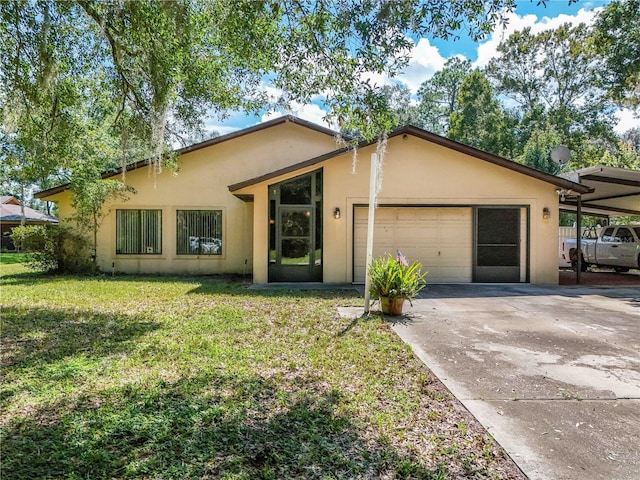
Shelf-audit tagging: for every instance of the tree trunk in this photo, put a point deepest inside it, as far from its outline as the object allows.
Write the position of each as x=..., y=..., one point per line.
x=94, y=256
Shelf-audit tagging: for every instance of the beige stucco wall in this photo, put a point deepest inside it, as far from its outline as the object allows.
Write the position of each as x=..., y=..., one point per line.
x=421, y=173
x=202, y=183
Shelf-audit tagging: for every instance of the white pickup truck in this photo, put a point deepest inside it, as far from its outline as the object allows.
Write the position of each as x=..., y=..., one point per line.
x=616, y=246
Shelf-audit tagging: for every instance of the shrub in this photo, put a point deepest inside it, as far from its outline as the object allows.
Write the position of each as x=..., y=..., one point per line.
x=53, y=248
x=392, y=277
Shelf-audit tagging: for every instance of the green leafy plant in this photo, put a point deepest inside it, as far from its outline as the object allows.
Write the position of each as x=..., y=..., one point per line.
x=52, y=248
x=394, y=278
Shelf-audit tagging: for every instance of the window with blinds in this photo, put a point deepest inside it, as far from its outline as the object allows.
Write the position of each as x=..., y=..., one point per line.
x=139, y=232
x=199, y=232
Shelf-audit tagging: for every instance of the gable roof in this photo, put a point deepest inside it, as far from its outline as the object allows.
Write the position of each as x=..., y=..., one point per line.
x=11, y=212
x=207, y=143
x=431, y=137
x=5, y=199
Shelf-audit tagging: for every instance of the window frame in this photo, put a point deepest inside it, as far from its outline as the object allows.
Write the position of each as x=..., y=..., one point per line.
x=219, y=226
x=140, y=251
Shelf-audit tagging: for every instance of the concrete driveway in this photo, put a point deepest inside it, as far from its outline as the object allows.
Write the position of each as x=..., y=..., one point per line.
x=552, y=372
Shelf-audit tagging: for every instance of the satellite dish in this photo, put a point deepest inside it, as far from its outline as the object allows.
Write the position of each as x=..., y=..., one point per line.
x=560, y=154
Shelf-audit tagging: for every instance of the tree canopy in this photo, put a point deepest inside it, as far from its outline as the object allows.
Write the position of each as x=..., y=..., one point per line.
x=617, y=37
x=559, y=86
x=109, y=82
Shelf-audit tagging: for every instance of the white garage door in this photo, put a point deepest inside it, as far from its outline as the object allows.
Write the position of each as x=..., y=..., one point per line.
x=440, y=238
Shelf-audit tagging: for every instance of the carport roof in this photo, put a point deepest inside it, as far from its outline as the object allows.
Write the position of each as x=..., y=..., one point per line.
x=615, y=191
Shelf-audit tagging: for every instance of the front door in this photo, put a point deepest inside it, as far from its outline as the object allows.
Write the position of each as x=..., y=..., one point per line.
x=295, y=229
x=497, y=245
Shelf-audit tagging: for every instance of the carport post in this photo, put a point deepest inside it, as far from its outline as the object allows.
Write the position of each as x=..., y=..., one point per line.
x=578, y=238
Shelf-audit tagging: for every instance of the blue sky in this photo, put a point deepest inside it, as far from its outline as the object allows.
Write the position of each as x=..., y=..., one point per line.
x=428, y=56
x=553, y=9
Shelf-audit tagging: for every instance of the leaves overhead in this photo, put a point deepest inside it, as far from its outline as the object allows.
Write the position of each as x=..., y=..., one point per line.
x=167, y=63
x=110, y=81
x=617, y=38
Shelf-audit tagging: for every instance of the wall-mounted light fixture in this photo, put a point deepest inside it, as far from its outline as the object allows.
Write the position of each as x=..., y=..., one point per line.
x=546, y=213
x=336, y=213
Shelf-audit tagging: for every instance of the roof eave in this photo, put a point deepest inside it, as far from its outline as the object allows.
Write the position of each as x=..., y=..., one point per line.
x=491, y=158
x=437, y=139
x=205, y=144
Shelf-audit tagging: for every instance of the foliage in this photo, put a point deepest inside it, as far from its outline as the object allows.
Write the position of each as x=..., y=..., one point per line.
x=438, y=96
x=390, y=278
x=537, y=151
x=52, y=248
x=197, y=377
x=616, y=37
x=479, y=120
x=90, y=193
x=553, y=77
x=137, y=77
x=624, y=156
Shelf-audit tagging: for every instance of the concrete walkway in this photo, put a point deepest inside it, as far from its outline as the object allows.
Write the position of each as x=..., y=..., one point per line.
x=552, y=372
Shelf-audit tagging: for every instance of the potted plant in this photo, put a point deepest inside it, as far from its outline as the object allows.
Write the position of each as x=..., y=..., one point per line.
x=393, y=280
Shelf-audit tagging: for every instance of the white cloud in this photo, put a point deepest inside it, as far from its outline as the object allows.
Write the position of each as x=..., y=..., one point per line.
x=425, y=61
x=516, y=23
x=626, y=120
x=221, y=129
x=311, y=112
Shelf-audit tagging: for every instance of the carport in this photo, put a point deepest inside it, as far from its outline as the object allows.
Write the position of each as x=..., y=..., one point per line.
x=614, y=191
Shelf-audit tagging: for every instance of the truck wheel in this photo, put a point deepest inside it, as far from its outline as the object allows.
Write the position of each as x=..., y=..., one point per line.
x=574, y=261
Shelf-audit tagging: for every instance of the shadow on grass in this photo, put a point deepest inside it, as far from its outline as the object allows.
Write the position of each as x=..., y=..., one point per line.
x=205, y=284
x=43, y=335
x=211, y=426
x=34, y=338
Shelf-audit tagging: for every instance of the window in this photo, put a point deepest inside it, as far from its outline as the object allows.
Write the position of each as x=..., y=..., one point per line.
x=139, y=232
x=624, y=235
x=607, y=235
x=199, y=232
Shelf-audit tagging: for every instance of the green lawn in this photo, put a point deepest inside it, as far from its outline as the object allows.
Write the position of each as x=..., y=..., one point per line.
x=195, y=377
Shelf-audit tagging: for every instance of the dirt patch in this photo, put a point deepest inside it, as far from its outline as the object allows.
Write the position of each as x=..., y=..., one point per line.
x=601, y=277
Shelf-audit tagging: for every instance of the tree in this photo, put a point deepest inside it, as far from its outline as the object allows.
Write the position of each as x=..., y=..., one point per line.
x=165, y=65
x=90, y=193
x=516, y=70
x=537, y=151
x=625, y=156
x=395, y=100
x=616, y=36
x=438, y=96
x=479, y=120
x=553, y=77
x=632, y=138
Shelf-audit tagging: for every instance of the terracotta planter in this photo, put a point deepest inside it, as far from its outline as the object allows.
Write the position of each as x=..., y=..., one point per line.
x=391, y=306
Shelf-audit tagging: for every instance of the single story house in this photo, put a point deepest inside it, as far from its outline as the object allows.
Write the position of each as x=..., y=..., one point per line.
x=11, y=215
x=285, y=202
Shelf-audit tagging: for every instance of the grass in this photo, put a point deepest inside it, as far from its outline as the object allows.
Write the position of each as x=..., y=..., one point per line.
x=177, y=377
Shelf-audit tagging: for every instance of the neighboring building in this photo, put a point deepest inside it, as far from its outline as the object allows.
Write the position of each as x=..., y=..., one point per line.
x=283, y=201
x=11, y=216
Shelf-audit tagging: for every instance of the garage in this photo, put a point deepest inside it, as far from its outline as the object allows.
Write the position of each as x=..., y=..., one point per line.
x=439, y=238
x=468, y=216
x=454, y=244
